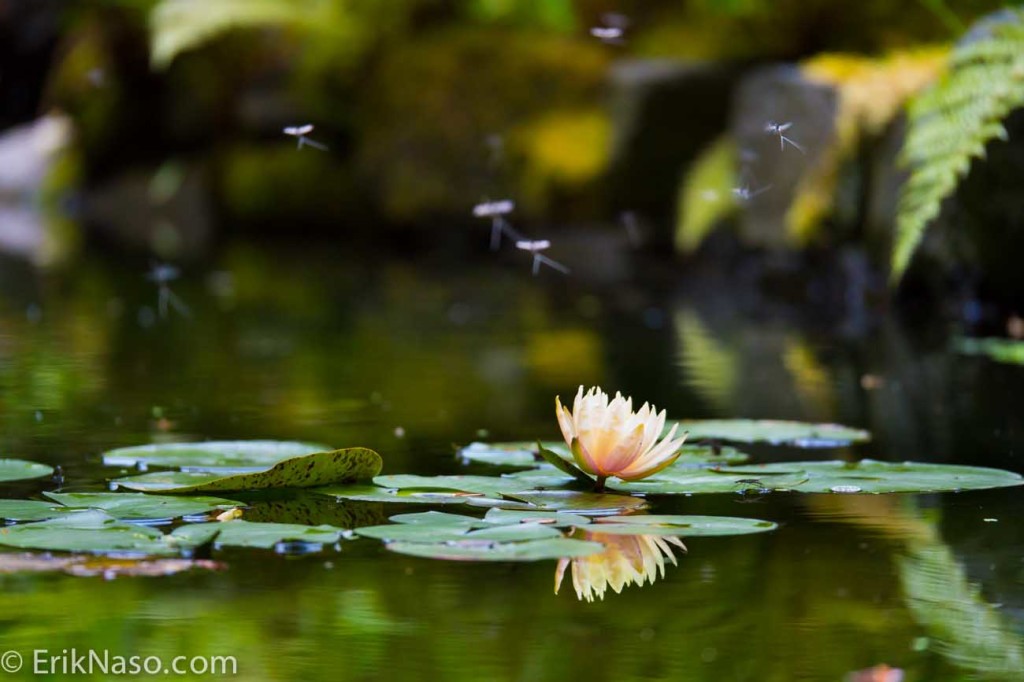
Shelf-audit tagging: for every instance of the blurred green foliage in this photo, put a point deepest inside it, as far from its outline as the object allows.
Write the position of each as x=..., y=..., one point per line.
x=950, y=125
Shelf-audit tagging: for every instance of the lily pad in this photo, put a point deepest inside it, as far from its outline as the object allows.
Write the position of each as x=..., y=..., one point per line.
x=107, y=567
x=482, y=485
x=553, y=519
x=683, y=526
x=582, y=503
x=375, y=493
x=836, y=477
x=525, y=454
x=435, y=518
x=714, y=481
x=429, y=533
x=870, y=476
x=486, y=550
x=89, y=531
x=234, y=456
x=317, y=469
x=29, y=510
x=20, y=470
x=141, y=505
x=259, y=535
x=773, y=431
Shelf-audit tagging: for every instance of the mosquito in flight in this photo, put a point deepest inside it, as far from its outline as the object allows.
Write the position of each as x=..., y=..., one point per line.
x=779, y=129
x=162, y=274
x=744, y=194
x=301, y=132
x=535, y=247
x=613, y=29
x=496, y=211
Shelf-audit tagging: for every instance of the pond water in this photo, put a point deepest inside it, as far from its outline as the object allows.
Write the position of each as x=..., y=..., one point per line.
x=411, y=358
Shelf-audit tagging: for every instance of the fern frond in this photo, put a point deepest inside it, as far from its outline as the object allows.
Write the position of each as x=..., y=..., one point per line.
x=950, y=125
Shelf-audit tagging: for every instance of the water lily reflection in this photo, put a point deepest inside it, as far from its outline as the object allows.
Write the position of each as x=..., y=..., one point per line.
x=627, y=559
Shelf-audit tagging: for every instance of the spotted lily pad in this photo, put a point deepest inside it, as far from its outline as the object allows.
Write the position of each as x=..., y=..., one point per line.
x=775, y=432
x=683, y=526
x=141, y=505
x=20, y=470
x=90, y=531
x=259, y=535
x=317, y=469
x=487, y=550
x=524, y=454
x=233, y=456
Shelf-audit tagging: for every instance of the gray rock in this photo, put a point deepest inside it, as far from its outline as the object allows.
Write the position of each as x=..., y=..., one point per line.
x=780, y=95
x=664, y=113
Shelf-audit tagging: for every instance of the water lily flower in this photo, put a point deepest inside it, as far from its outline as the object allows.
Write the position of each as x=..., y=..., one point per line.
x=610, y=439
x=627, y=559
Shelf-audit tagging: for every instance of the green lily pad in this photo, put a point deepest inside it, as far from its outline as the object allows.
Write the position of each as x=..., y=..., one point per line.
x=445, y=532
x=518, y=454
x=526, y=454
x=837, y=477
x=553, y=519
x=486, y=550
x=714, y=481
x=141, y=505
x=435, y=518
x=1009, y=351
x=30, y=510
x=482, y=485
x=582, y=503
x=683, y=526
x=89, y=531
x=413, y=532
x=375, y=493
x=870, y=476
x=20, y=470
x=773, y=431
x=232, y=456
x=258, y=535
x=317, y=469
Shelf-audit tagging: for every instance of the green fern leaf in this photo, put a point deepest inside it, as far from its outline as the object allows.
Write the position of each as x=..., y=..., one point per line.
x=950, y=125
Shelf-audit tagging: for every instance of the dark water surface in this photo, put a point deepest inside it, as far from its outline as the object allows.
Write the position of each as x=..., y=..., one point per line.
x=410, y=359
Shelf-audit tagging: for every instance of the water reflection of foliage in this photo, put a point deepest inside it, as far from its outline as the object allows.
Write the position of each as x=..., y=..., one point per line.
x=964, y=626
x=724, y=361
x=961, y=624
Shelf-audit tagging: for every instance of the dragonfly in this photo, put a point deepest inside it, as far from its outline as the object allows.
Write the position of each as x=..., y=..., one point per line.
x=613, y=29
x=301, y=134
x=535, y=247
x=162, y=274
x=780, y=129
x=496, y=211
